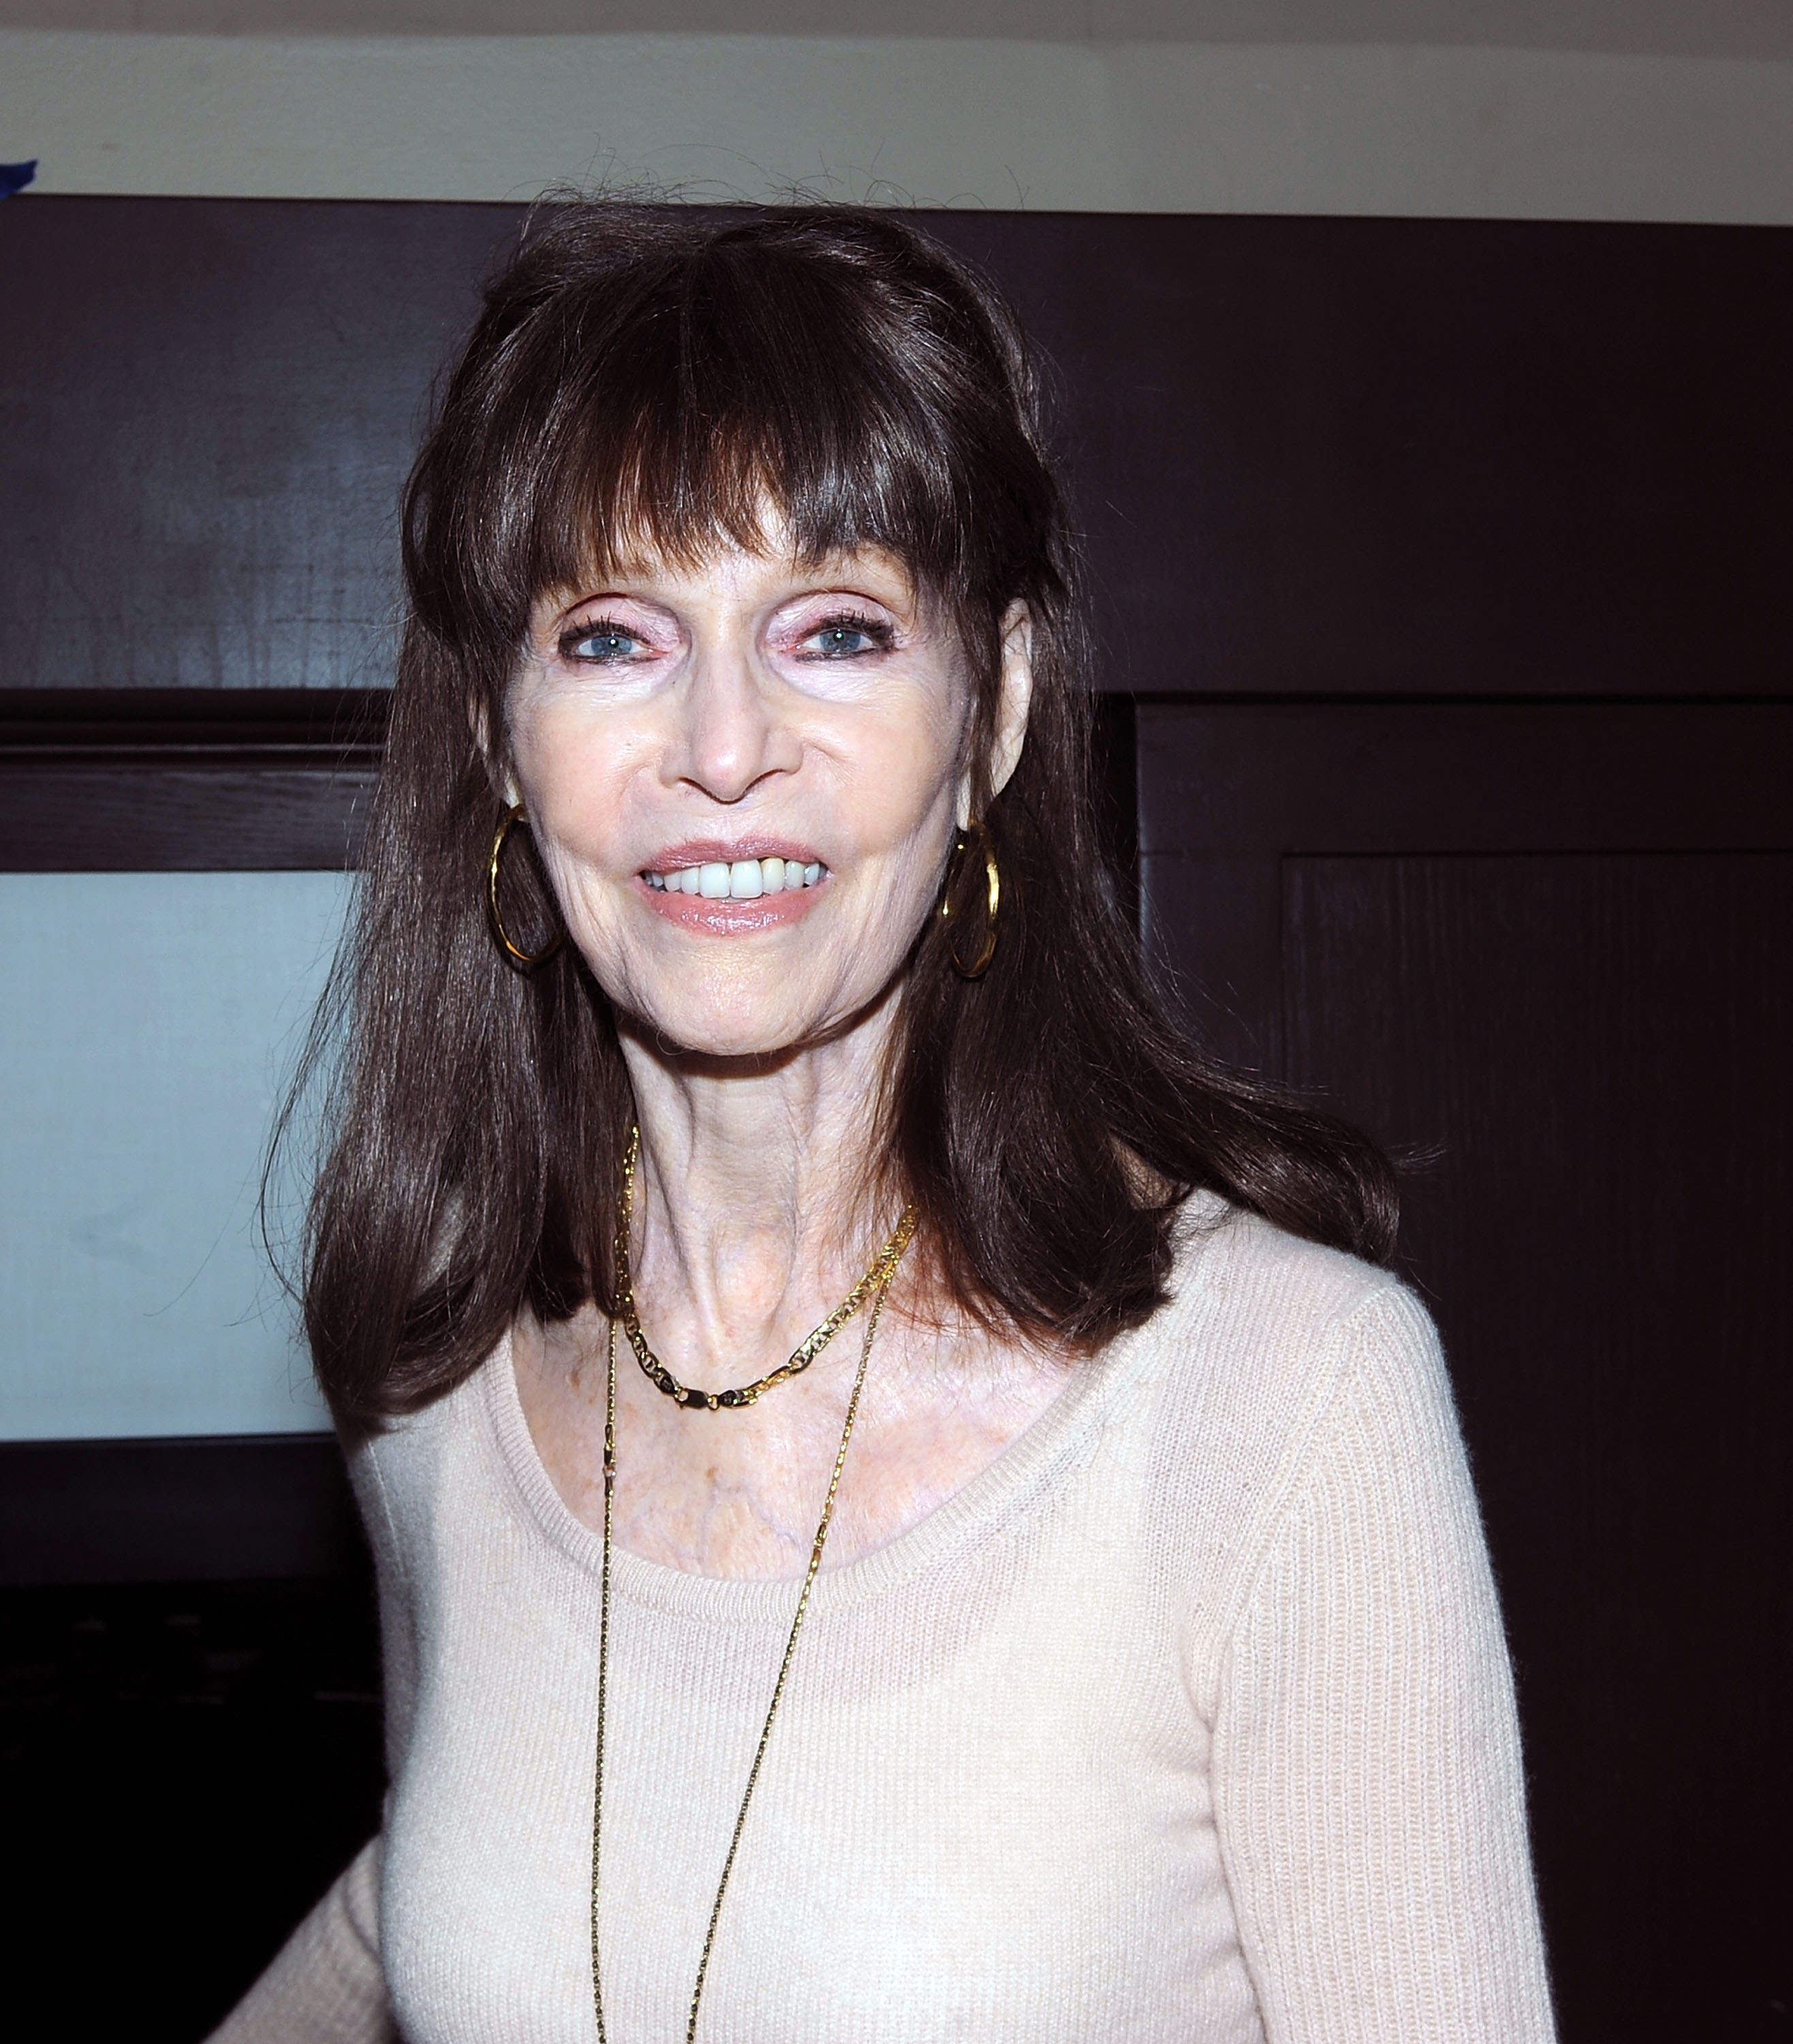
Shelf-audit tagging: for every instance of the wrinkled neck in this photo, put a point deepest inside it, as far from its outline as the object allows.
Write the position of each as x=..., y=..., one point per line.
x=758, y=1196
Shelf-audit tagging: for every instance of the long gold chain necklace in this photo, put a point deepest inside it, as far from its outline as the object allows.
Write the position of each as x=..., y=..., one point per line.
x=876, y=1284
x=882, y=1268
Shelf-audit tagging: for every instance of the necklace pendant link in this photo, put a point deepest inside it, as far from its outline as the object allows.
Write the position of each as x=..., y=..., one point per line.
x=738, y=1397
x=876, y=1285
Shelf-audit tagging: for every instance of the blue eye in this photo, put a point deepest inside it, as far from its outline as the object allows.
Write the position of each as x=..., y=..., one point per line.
x=602, y=642
x=846, y=638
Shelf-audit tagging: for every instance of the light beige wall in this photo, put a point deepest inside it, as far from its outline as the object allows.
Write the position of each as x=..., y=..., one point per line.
x=1582, y=108
x=1683, y=28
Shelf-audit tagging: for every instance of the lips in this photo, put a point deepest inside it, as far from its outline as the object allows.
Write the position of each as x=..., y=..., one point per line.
x=726, y=850
x=726, y=916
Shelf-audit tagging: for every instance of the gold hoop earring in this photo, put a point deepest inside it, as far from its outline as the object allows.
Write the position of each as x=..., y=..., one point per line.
x=979, y=965
x=524, y=961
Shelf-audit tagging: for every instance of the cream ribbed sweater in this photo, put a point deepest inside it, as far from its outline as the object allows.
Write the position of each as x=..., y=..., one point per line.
x=1189, y=1719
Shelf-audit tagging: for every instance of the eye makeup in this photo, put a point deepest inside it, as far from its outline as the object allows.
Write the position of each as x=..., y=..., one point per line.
x=879, y=633
x=625, y=643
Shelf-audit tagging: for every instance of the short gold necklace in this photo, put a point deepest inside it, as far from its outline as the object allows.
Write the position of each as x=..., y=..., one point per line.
x=883, y=1268
x=877, y=1283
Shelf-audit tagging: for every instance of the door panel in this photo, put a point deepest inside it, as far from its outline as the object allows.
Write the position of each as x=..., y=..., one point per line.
x=1592, y=1050
x=1544, y=954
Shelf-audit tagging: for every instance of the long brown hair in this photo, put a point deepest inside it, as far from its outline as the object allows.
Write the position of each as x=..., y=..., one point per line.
x=643, y=379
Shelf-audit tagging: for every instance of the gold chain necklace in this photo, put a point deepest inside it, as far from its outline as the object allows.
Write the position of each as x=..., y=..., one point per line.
x=883, y=1268
x=877, y=1281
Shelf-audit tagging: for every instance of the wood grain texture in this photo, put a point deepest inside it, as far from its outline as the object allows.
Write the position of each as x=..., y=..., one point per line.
x=1550, y=943
x=1227, y=790
x=1594, y=1050
x=208, y=409
x=1334, y=456
x=196, y=780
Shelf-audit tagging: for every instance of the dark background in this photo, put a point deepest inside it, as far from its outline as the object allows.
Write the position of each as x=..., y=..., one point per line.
x=1443, y=577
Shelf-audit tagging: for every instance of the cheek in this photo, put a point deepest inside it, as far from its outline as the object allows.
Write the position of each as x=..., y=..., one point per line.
x=573, y=778
x=896, y=821
x=900, y=782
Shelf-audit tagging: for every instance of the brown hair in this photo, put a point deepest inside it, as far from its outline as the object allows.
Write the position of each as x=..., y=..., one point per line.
x=649, y=379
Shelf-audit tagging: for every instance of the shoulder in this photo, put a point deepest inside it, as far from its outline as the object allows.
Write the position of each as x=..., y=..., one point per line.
x=1289, y=1314
x=439, y=1458
x=1270, y=1350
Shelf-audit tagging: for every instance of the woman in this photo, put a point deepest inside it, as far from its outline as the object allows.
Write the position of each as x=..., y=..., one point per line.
x=736, y=959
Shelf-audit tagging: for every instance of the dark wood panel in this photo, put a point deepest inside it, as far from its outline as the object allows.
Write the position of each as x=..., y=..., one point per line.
x=192, y=1763
x=193, y=780
x=1227, y=790
x=1437, y=456
x=1311, y=455
x=1594, y=1051
x=221, y=1510
x=1546, y=947
x=110, y=819
x=208, y=407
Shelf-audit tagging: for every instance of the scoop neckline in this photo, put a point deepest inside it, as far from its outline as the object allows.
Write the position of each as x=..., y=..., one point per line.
x=1013, y=1480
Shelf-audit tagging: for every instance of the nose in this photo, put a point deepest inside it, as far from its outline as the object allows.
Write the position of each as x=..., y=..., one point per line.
x=731, y=734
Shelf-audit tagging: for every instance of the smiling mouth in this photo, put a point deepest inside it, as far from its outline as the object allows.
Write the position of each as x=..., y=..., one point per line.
x=744, y=880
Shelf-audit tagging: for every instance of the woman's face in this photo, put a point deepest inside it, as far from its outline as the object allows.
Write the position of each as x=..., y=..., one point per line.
x=744, y=780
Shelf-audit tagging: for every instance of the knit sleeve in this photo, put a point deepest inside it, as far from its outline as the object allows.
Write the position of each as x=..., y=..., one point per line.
x=325, y=1987
x=1369, y=1786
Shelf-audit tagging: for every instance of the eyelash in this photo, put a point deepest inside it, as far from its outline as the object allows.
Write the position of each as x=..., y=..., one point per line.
x=596, y=628
x=877, y=629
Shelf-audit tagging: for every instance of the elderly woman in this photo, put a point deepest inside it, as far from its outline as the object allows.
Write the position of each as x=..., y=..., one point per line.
x=906, y=1510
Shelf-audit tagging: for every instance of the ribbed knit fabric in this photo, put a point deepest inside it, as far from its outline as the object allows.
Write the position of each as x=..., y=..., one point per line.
x=1189, y=1719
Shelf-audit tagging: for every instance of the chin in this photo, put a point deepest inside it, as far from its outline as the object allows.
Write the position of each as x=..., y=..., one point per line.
x=695, y=1026
x=746, y=1006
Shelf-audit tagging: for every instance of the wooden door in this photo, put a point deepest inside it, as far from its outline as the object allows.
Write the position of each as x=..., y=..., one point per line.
x=1543, y=951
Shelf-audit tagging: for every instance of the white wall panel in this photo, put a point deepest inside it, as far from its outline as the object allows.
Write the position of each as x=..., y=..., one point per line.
x=148, y=1022
x=1447, y=130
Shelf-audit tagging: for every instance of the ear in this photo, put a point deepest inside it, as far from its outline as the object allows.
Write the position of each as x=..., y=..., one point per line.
x=480, y=725
x=1014, y=694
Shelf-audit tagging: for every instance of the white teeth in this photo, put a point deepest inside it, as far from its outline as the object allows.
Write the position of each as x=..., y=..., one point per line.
x=742, y=880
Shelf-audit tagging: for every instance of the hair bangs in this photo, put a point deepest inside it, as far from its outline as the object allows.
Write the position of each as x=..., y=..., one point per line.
x=744, y=396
